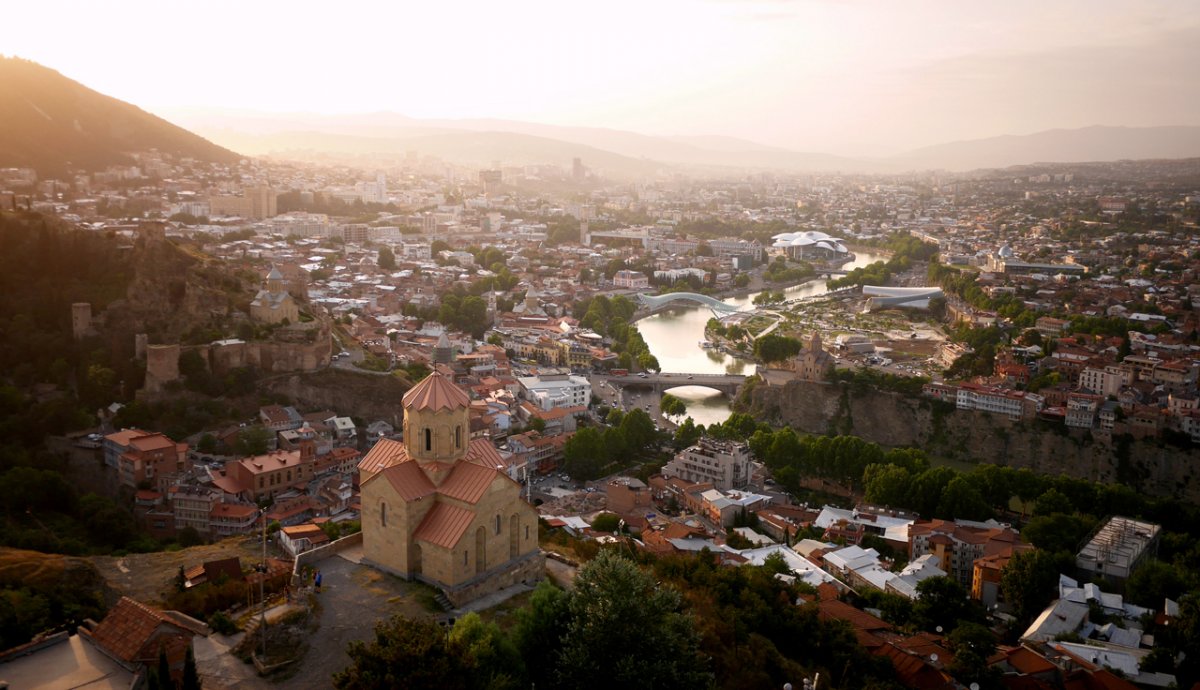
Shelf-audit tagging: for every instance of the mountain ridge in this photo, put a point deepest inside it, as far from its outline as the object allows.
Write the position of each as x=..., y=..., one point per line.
x=1062, y=145
x=53, y=123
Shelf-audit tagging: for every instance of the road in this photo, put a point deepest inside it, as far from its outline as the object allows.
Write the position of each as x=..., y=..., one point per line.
x=632, y=398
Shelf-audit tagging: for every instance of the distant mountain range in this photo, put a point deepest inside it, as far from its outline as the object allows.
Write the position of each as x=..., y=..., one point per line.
x=479, y=142
x=1059, y=146
x=51, y=123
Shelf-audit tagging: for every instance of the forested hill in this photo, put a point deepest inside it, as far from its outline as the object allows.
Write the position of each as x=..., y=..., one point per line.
x=51, y=123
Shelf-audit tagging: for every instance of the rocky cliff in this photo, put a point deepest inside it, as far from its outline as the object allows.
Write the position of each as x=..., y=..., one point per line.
x=174, y=290
x=366, y=396
x=892, y=419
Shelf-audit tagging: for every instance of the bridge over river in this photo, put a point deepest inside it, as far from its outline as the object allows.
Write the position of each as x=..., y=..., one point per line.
x=659, y=383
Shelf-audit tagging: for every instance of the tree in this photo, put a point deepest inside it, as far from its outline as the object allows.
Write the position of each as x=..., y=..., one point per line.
x=672, y=406
x=406, y=653
x=960, y=499
x=614, y=609
x=887, y=485
x=537, y=424
x=927, y=489
x=253, y=440
x=585, y=455
x=1029, y=582
x=775, y=348
x=1053, y=501
x=1154, y=581
x=387, y=259
x=637, y=430
x=496, y=663
x=1057, y=532
x=942, y=604
x=207, y=444
x=539, y=631
x=972, y=644
x=164, y=669
x=687, y=434
x=191, y=679
x=188, y=536
x=606, y=522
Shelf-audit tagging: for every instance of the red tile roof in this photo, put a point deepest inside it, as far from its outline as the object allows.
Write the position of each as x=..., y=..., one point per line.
x=130, y=625
x=1029, y=662
x=436, y=392
x=444, y=525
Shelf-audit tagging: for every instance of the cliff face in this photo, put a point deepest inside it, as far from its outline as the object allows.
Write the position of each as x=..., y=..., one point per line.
x=368, y=397
x=173, y=291
x=891, y=419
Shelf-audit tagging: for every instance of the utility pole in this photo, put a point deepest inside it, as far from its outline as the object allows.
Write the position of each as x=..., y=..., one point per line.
x=262, y=584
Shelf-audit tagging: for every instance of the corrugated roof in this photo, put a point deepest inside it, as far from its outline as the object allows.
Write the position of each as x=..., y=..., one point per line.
x=482, y=452
x=467, y=482
x=436, y=392
x=385, y=453
x=444, y=525
x=409, y=481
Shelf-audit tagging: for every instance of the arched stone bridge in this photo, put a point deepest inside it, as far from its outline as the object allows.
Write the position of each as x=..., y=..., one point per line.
x=726, y=383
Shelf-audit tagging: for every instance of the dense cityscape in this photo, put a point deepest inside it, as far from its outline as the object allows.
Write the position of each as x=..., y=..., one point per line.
x=479, y=408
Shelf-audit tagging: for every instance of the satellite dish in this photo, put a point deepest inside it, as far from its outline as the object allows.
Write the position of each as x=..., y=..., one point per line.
x=974, y=686
x=933, y=657
x=939, y=629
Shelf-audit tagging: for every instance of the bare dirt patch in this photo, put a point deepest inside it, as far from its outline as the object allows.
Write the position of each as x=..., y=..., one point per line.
x=149, y=577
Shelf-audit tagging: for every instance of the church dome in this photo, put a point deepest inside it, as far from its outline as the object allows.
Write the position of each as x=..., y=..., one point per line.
x=434, y=393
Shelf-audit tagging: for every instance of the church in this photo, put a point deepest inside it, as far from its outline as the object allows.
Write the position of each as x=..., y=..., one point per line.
x=273, y=303
x=812, y=363
x=439, y=507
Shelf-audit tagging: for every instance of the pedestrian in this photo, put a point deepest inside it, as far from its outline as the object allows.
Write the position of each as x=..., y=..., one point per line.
x=317, y=581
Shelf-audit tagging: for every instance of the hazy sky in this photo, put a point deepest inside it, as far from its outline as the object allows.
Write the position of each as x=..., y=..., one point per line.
x=844, y=77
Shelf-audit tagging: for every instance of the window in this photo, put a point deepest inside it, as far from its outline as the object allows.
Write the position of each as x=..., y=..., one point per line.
x=526, y=532
x=458, y=442
x=497, y=524
x=383, y=513
x=465, y=557
x=428, y=439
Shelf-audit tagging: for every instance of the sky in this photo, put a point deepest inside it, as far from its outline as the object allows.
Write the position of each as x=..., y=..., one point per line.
x=841, y=76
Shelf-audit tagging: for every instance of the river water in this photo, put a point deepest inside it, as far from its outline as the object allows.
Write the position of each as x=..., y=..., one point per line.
x=674, y=336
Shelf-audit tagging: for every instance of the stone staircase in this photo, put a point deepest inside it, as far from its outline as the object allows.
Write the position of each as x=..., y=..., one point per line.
x=442, y=601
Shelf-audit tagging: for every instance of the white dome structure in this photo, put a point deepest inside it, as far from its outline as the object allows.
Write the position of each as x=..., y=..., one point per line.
x=810, y=244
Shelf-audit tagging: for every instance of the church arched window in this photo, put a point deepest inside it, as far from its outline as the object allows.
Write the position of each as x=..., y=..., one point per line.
x=497, y=524
x=383, y=514
x=428, y=439
x=458, y=436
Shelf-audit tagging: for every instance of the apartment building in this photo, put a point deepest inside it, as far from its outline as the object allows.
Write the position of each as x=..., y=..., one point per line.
x=556, y=390
x=724, y=464
x=265, y=476
x=1010, y=403
x=958, y=544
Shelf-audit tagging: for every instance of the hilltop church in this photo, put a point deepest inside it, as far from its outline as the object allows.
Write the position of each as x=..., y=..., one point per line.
x=439, y=507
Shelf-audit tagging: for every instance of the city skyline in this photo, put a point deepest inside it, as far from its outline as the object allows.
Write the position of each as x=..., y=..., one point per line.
x=842, y=78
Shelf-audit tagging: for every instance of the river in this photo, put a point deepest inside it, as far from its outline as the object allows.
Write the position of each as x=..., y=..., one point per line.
x=674, y=336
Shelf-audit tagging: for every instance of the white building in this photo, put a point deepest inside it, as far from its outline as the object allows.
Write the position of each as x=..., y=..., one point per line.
x=556, y=390
x=632, y=280
x=726, y=464
x=1010, y=403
